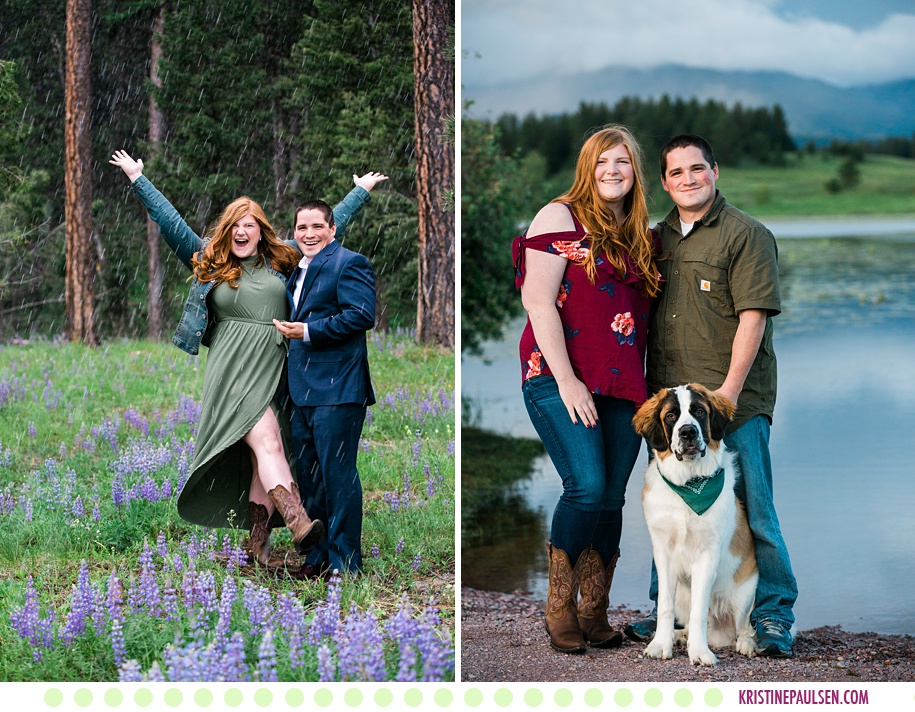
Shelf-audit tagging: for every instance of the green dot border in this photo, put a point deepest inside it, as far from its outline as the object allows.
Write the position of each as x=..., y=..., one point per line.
x=457, y=696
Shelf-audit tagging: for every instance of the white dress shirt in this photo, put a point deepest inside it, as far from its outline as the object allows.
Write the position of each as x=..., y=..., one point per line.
x=300, y=280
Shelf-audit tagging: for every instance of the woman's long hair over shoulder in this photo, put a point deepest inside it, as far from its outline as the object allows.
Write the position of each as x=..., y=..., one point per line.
x=216, y=263
x=607, y=235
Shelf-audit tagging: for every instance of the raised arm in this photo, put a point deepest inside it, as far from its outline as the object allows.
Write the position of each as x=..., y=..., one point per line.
x=183, y=241
x=354, y=201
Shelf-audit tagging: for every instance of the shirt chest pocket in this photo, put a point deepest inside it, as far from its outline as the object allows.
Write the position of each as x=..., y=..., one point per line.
x=707, y=276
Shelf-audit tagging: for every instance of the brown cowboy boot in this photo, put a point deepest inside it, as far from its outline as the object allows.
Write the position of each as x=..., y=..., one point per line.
x=305, y=532
x=595, y=597
x=561, y=617
x=259, y=535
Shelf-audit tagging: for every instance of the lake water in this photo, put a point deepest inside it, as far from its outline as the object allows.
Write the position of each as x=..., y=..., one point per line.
x=841, y=439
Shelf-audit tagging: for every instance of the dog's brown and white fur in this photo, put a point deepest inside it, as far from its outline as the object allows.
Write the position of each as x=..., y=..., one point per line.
x=706, y=564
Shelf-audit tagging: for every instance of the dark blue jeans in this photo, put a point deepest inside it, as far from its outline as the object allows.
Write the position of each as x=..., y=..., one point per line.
x=594, y=464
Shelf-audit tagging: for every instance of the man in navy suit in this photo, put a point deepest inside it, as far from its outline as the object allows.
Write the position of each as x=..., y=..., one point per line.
x=332, y=306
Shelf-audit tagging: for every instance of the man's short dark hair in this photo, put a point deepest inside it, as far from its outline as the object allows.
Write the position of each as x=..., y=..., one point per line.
x=315, y=204
x=685, y=141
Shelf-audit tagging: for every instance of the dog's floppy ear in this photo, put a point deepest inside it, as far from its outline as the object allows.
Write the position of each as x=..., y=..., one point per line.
x=647, y=422
x=721, y=410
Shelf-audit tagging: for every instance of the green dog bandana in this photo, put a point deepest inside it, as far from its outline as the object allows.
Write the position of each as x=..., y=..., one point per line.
x=699, y=493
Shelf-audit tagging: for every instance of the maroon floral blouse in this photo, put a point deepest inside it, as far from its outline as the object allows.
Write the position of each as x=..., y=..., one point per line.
x=605, y=323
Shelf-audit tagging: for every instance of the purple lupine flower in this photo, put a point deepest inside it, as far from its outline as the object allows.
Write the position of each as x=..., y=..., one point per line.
x=266, y=659
x=6, y=455
x=400, y=546
x=130, y=672
x=437, y=652
x=29, y=623
x=119, y=648
x=146, y=593
x=113, y=601
x=406, y=667
x=360, y=647
x=32, y=431
x=170, y=603
x=229, y=590
x=232, y=667
x=96, y=512
x=259, y=604
x=417, y=446
x=327, y=669
x=290, y=619
x=27, y=507
x=77, y=509
x=417, y=562
x=393, y=501
x=118, y=490
x=376, y=552
x=155, y=674
x=162, y=545
x=82, y=603
x=327, y=617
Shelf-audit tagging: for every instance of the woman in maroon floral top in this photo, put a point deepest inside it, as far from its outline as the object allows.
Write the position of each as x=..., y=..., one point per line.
x=587, y=276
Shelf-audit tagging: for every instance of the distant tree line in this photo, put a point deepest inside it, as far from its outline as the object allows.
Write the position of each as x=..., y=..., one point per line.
x=737, y=133
x=282, y=100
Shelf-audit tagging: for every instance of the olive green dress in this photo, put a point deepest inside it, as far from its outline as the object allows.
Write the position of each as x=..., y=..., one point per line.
x=243, y=372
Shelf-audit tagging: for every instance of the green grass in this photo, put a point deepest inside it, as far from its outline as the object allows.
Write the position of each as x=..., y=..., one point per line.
x=62, y=405
x=798, y=189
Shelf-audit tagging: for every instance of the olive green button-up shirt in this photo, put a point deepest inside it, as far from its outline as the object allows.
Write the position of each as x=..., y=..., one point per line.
x=727, y=262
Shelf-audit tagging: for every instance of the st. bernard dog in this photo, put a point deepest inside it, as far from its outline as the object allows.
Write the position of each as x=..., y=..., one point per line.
x=703, y=547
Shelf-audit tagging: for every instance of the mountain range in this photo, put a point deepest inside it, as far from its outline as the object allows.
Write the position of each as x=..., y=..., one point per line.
x=814, y=109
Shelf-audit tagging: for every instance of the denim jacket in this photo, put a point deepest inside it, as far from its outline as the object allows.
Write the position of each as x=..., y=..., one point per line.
x=196, y=324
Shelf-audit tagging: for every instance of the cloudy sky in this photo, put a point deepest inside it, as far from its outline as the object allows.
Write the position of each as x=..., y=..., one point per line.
x=844, y=42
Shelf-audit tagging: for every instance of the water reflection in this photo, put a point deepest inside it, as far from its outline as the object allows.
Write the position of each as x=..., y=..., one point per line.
x=843, y=490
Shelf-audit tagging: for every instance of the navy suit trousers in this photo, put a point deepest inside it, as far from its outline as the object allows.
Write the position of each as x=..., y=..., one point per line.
x=325, y=440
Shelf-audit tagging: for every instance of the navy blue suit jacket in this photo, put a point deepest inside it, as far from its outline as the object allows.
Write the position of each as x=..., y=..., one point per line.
x=338, y=304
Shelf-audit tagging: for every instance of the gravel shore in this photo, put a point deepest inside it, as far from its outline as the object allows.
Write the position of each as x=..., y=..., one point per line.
x=503, y=640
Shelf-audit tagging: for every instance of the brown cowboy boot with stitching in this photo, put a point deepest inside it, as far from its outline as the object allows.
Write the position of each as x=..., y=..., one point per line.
x=259, y=534
x=305, y=532
x=595, y=598
x=561, y=615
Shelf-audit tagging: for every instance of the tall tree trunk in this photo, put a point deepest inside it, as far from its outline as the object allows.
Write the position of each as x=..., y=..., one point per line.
x=156, y=134
x=80, y=279
x=434, y=103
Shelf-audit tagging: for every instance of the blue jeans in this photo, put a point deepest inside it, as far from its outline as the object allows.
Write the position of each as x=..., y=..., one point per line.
x=776, y=591
x=594, y=464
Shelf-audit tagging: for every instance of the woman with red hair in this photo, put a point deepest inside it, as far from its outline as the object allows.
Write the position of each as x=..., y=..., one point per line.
x=587, y=276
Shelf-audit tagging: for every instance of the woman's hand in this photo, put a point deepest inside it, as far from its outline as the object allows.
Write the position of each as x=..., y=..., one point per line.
x=122, y=159
x=577, y=399
x=369, y=180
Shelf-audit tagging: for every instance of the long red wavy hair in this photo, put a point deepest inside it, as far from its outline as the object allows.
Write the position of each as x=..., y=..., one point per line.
x=216, y=263
x=633, y=236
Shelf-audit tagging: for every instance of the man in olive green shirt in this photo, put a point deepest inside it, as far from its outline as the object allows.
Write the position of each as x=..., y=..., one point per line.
x=713, y=325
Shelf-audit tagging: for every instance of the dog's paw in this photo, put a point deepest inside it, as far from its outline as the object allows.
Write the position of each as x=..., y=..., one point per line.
x=660, y=650
x=703, y=657
x=746, y=646
x=681, y=638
